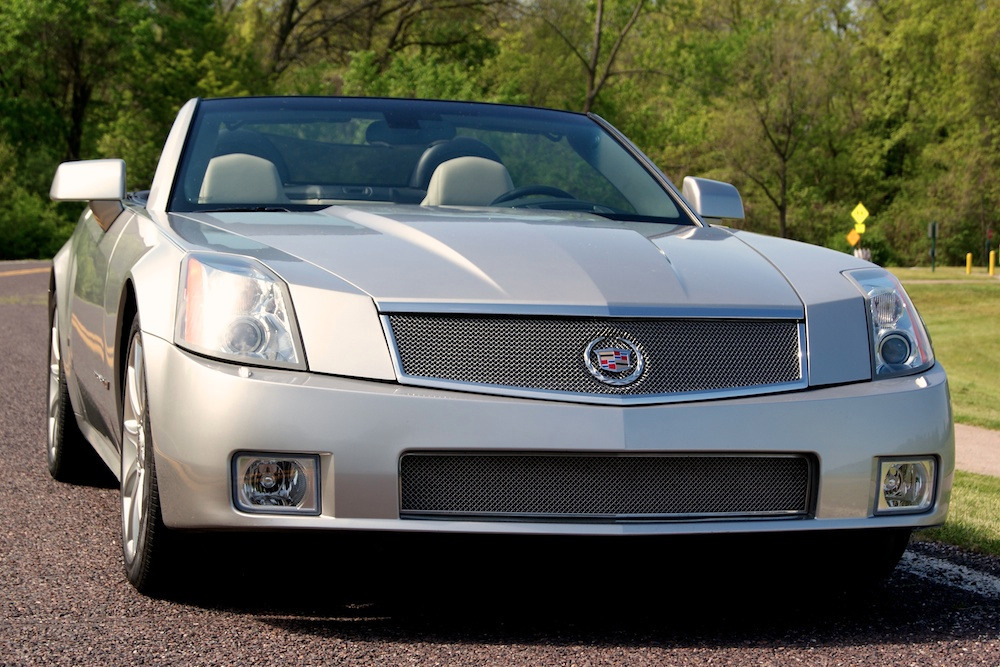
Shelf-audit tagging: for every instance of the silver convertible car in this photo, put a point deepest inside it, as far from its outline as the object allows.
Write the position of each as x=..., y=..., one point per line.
x=379, y=315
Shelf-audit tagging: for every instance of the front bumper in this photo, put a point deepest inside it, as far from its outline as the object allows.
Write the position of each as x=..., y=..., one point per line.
x=203, y=412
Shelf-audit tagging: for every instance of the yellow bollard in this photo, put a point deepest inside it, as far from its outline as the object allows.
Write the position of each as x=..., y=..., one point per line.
x=993, y=262
x=968, y=264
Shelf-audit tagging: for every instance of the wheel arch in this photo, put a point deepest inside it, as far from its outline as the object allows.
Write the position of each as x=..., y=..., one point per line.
x=58, y=278
x=148, y=291
x=127, y=310
x=52, y=293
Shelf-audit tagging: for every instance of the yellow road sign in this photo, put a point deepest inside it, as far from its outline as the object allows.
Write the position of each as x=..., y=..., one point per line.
x=859, y=227
x=853, y=237
x=860, y=214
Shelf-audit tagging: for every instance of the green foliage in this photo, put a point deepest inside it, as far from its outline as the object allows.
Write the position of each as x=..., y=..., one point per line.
x=531, y=68
x=808, y=106
x=411, y=75
x=146, y=109
x=92, y=78
x=882, y=252
x=932, y=118
x=30, y=225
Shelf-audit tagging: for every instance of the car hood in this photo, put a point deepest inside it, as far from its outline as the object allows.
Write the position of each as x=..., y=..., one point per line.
x=411, y=258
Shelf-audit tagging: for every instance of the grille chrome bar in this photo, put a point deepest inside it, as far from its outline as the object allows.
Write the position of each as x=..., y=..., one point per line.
x=601, y=487
x=685, y=358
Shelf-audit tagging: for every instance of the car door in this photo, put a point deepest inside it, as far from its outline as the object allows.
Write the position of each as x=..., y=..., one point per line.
x=91, y=344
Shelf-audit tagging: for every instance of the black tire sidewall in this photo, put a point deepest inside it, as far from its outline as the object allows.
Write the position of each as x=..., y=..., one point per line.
x=68, y=455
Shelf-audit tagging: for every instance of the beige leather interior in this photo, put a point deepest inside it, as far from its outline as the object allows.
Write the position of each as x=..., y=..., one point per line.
x=241, y=178
x=467, y=181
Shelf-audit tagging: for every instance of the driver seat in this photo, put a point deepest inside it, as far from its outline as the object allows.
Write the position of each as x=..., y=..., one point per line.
x=467, y=181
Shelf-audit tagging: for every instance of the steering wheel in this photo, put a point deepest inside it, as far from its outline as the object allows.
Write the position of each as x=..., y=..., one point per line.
x=529, y=190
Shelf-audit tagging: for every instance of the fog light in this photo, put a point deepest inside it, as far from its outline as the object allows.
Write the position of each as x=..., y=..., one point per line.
x=276, y=483
x=905, y=485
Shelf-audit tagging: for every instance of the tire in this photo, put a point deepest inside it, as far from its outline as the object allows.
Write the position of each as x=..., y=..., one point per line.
x=145, y=540
x=70, y=457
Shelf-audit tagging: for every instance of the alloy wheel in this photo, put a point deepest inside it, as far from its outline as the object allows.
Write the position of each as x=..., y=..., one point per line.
x=134, y=479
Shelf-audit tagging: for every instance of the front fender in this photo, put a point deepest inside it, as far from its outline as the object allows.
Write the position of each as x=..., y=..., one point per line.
x=143, y=277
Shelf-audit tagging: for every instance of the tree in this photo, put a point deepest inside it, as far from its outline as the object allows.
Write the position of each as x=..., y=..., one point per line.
x=89, y=78
x=932, y=115
x=595, y=44
x=773, y=115
x=181, y=51
x=807, y=105
x=59, y=55
x=286, y=35
x=56, y=59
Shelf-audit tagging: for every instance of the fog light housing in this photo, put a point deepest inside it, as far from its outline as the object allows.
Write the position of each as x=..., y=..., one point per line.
x=276, y=483
x=905, y=485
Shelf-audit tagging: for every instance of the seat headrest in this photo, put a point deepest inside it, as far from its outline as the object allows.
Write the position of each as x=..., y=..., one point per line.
x=239, y=178
x=467, y=181
x=448, y=150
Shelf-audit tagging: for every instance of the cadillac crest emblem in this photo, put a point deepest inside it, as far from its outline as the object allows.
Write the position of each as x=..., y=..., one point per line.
x=613, y=361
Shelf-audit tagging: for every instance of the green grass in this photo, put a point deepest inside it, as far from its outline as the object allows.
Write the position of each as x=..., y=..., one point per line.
x=962, y=314
x=974, y=517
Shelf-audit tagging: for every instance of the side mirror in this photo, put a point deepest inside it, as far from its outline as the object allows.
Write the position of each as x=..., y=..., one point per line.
x=89, y=180
x=713, y=199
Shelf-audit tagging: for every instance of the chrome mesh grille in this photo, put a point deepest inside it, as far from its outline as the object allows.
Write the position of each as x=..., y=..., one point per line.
x=597, y=487
x=681, y=355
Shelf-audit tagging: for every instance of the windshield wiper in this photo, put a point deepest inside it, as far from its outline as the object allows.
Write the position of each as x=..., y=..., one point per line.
x=636, y=217
x=247, y=209
x=601, y=211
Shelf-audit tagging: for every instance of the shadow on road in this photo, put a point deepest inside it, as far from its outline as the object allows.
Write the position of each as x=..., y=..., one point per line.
x=551, y=592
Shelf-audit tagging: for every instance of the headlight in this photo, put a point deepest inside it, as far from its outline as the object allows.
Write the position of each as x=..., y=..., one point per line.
x=235, y=308
x=900, y=344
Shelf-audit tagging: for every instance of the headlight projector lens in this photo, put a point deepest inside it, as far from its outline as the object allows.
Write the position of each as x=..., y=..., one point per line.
x=894, y=348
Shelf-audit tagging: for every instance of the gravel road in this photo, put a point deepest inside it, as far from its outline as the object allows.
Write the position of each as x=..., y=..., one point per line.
x=64, y=598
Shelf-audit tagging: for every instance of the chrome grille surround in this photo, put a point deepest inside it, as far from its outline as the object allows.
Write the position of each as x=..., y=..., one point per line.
x=544, y=357
x=605, y=487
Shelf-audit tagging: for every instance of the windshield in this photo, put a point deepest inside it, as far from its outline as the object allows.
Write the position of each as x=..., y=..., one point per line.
x=309, y=153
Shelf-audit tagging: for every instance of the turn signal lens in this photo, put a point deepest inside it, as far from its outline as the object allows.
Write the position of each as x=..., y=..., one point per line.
x=905, y=485
x=886, y=306
x=276, y=484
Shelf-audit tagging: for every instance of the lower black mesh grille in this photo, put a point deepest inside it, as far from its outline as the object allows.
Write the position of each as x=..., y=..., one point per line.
x=604, y=487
